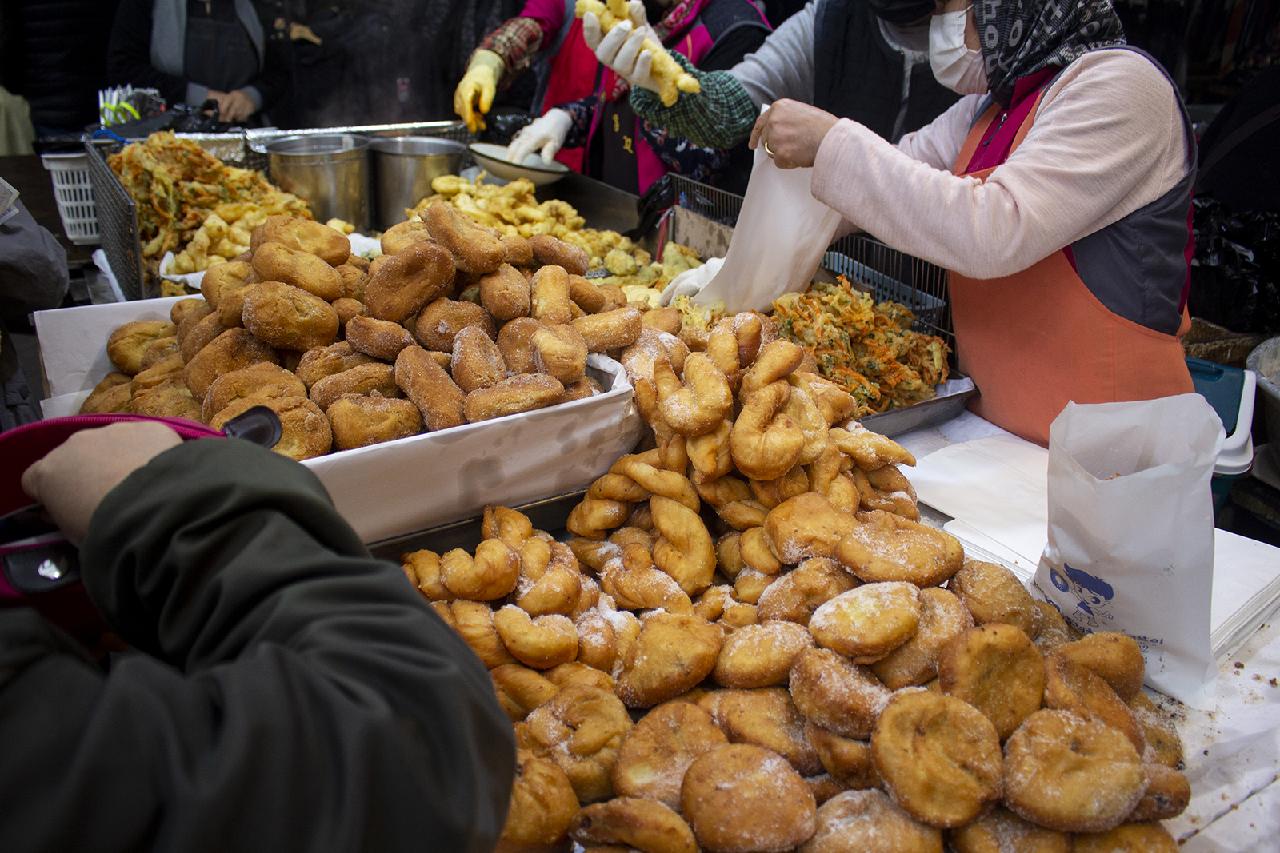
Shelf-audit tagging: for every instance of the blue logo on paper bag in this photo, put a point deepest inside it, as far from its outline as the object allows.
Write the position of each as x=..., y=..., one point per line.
x=1093, y=595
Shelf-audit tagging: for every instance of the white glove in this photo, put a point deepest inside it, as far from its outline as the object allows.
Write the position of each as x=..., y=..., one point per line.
x=691, y=282
x=545, y=135
x=621, y=50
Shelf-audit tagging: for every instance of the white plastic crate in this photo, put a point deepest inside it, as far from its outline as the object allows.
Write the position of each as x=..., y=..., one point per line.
x=74, y=193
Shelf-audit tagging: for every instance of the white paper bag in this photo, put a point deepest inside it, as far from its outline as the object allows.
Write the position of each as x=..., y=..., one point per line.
x=1131, y=529
x=779, y=241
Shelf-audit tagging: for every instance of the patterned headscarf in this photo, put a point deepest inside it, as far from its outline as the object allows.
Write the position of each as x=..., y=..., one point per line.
x=1020, y=37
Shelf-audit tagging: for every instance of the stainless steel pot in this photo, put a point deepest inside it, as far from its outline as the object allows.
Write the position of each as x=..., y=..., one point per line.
x=331, y=172
x=403, y=169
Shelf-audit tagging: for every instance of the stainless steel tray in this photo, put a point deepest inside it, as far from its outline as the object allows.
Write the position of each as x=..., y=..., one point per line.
x=548, y=514
x=954, y=395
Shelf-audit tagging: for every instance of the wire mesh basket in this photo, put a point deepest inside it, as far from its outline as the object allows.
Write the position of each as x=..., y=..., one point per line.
x=118, y=224
x=886, y=272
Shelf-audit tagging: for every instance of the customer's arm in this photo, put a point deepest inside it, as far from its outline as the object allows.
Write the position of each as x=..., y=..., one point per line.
x=295, y=694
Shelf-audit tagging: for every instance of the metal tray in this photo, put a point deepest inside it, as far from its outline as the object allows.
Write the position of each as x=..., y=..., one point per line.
x=548, y=514
x=954, y=395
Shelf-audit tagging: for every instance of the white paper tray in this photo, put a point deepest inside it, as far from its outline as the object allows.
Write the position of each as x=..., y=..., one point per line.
x=407, y=485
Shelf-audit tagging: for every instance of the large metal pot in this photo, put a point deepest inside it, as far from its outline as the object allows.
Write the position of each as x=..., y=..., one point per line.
x=329, y=171
x=403, y=170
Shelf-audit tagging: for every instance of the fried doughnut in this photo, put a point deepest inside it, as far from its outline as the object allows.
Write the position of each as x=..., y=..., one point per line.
x=709, y=453
x=591, y=518
x=381, y=339
x=277, y=262
x=521, y=689
x=635, y=583
x=867, y=623
x=473, y=620
x=548, y=251
x=997, y=670
x=429, y=387
x=231, y=350
x=543, y=803
x=776, y=361
x=515, y=340
x=656, y=753
x=994, y=594
x=610, y=330
x=1071, y=687
x=422, y=568
x=581, y=729
x=869, y=822
x=475, y=249
x=835, y=694
x=110, y=395
x=836, y=404
x=158, y=374
x=402, y=235
x=303, y=235
x=187, y=309
x=756, y=552
x=597, y=641
x=633, y=824
x=591, y=298
x=749, y=585
x=1167, y=795
x=672, y=653
x=790, y=485
x=943, y=617
x=549, y=296
x=887, y=489
x=491, y=574
x=348, y=309
x=741, y=798
x=288, y=317
x=168, y=399
x=848, y=761
x=794, y=596
x=870, y=450
x=561, y=352
x=806, y=526
x=579, y=674
x=477, y=361
x=128, y=344
x=1054, y=630
x=441, y=321
x=761, y=655
x=159, y=350
x=512, y=396
x=1114, y=657
x=1071, y=774
x=540, y=642
x=304, y=429
x=1128, y=838
x=505, y=294
x=220, y=277
x=766, y=443
x=354, y=282
x=550, y=581
x=518, y=251
x=365, y=379
x=770, y=719
x=656, y=481
x=684, y=548
x=400, y=285
x=358, y=421
x=581, y=389
x=1163, y=744
x=698, y=404
x=662, y=320
x=938, y=757
x=231, y=299
x=318, y=363
x=263, y=379
x=200, y=334
x=887, y=547
x=1000, y=830
x=651, y=346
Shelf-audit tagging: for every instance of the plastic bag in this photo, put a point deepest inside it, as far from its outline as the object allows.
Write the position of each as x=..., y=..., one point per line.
x=781, y=236
x=1131, y=529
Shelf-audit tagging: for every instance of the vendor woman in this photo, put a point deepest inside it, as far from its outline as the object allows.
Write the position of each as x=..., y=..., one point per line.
x=1057, y=193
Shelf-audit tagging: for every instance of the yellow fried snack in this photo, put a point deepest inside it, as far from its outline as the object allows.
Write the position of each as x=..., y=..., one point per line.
x=349, y=309
x=999, y=830
x=939, y=757
x=358, y=421
x=263, y=379
x=806, y=526
x=761, y=655
x=128, y=344
x=195, y=337
x=994, y=594
x=671, y=78
x=1128, y=838
x=543, y=803
x=887, y=547
x=684, y=548
x=1164, y=746
x=606, y=331
x=289, y=317
x=996, y=669
x=765, y=442
x=768, y=718
x=848, y=761
x=537, y=641
x=867, y=623
x=1071, y=774
x=796, y=595
x=521, y=689
x=581, y=730
x=656, y=753
x=835, y=694
x=303, y=235
x=473, y=620
x=578, y=674
x=422, y=568
x=157, y=374
x=741, y=798
x=870, y=822
x=670, y=656
x=560, y=352
x=1054, y=630
x=697, y=404
x=549, y=296
x=400, y=285
x=775, y=362
x=505, y=294
x=943, y=617
x=634, y=823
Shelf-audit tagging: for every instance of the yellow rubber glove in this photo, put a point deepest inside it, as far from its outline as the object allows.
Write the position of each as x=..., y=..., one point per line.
x=474, y=95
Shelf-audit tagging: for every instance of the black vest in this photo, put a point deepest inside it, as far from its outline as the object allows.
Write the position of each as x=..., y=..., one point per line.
x=858, y=75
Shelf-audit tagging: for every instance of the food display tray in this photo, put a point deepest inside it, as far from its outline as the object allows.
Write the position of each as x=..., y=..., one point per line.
x=548, y=515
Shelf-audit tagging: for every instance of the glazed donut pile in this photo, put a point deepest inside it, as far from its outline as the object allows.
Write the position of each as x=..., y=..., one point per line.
x=453, y=324
x=750, y=643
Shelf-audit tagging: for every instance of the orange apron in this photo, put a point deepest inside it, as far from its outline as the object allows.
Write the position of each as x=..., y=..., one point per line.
x=1038, y=339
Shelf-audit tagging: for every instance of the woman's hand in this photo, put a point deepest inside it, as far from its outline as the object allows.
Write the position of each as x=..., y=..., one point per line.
x=233, y=106
x=791, y=133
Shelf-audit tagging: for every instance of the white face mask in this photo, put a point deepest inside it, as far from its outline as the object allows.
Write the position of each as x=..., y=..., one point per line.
x=954, y=64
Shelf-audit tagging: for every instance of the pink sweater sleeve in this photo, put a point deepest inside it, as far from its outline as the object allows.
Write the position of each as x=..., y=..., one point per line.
x=1107, y=140
x=548, y=13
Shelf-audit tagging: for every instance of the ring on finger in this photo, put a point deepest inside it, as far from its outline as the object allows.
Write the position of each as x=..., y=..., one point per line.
x=767, y=149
